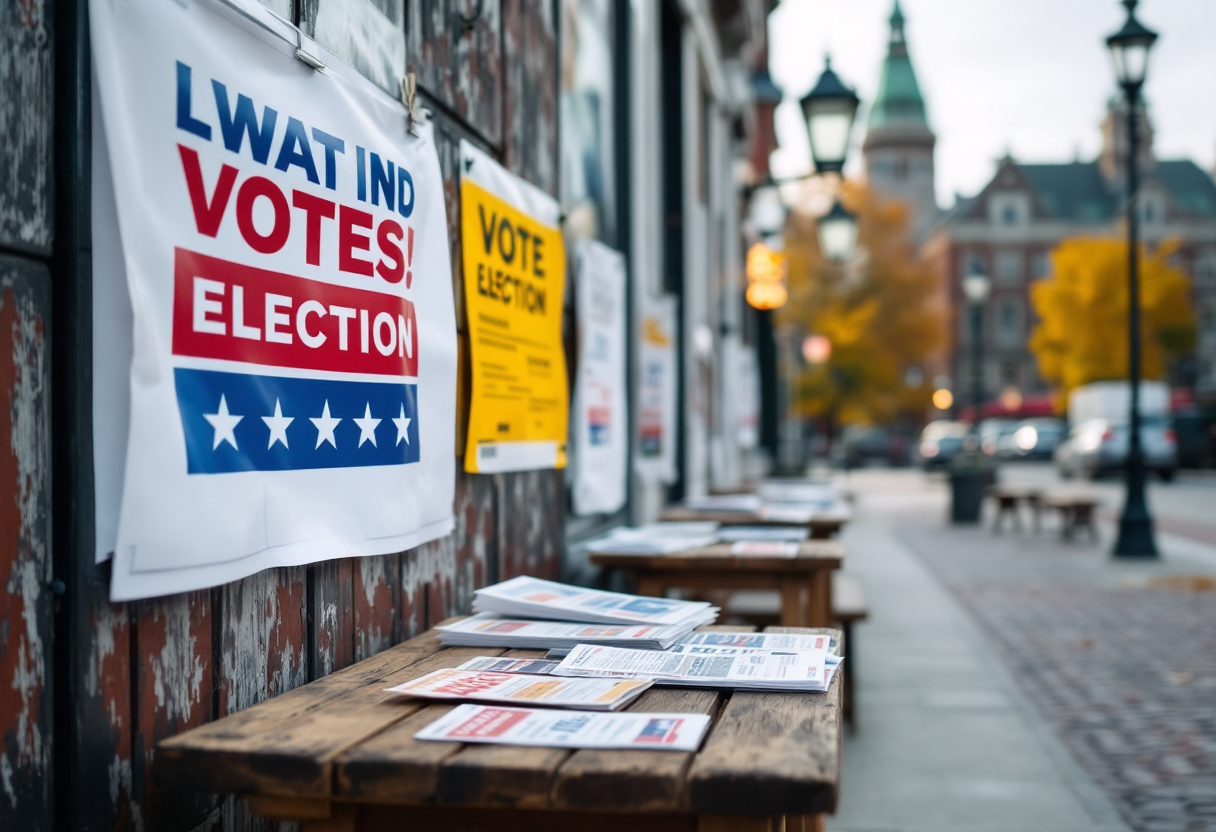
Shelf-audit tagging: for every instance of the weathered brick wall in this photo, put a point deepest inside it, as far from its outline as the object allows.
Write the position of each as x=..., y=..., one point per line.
x=128, y=675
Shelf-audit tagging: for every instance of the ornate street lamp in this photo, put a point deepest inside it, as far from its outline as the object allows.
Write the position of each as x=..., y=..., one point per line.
x=976, y=288
x=829, y=110
x=1129, y=49
x=837, y=233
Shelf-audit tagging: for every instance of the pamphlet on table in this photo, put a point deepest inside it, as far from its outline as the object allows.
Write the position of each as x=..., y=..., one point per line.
x=791, y=534
x=487, y=630
x=764, y=549
x=522, y=689
x=526, y=597
x=801, y=670
x=568, y=729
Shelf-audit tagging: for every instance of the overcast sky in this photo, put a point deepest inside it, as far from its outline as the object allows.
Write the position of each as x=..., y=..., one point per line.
x=1028, y=76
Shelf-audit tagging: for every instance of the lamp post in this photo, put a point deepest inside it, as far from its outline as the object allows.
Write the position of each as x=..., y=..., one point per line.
x=976, y=288
x=829, y=109
x=838, y=233
x=1129, y=49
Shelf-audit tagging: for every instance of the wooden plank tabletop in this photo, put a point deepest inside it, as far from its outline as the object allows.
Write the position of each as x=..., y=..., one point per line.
x=812, y=555
x=344, y=739
x=830, y=520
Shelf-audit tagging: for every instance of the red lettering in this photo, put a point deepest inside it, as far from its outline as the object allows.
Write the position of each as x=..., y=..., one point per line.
x=207, y=214
x=348, y=240
x=385, y=234
x=251, y=189
x=315, y=209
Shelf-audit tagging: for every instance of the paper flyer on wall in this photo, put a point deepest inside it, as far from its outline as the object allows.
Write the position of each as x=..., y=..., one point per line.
x=489, y=630
x=282, y=238
x=567, y=729
x=655, y=457
x=524, y=689
x=514, y=282
x=600, y=421
x=536, y=598
x=803, y=670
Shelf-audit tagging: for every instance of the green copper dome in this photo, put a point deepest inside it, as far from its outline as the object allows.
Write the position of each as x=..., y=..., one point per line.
x=899, y=98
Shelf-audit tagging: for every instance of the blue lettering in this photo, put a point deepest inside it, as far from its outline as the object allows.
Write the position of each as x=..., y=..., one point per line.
x=361, y=185
x=404, y=179
x=295, y=150
x=332, y=145
x=382, y=180
x=185, y=121
x=245, y=121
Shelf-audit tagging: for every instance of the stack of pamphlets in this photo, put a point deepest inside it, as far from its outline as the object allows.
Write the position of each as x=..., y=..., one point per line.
x=742, y=503
x=770, y=670
x=506, y=664
x=486, y=630
x=764, y=549
x=790, y=534
x=525, y=597
x=656, y=538
x=715, y=642
x=520, y=689
x=569, y=729
x=802, y=512
x=797, y=491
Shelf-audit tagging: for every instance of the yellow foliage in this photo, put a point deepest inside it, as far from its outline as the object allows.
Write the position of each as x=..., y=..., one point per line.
x=879, y=312
x=1082, y=331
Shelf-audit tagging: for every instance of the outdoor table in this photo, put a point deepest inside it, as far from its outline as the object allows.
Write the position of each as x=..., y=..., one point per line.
x=1076, y=512
x=339, y=755
x=804, y=580
x=822, y=526
x=1007, y=498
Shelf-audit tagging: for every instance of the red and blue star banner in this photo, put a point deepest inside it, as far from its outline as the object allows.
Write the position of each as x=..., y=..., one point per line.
x=275, y=342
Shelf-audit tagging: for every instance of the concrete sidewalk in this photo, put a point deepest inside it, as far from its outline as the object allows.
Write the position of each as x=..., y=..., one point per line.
x=945, y=741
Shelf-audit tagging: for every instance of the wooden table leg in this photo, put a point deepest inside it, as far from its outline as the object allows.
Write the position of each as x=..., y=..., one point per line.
x=820, y=613
x=651, y=585
x=794, y=588
x=341, y=819
x=806, y=823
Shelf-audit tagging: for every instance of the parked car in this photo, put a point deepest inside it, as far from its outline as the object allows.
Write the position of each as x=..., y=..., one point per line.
x=939, y=442
x=865, y=444
x=992, y=431
x=1099, y=446
x=1032, y=439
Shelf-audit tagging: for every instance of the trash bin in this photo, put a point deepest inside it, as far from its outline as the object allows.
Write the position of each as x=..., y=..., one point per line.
x=970, y=475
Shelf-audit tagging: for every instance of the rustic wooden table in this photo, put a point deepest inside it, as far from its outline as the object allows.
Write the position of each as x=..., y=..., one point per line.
x=339, y=756
x=1007, y=499
x=822, y=526
x=804, y=580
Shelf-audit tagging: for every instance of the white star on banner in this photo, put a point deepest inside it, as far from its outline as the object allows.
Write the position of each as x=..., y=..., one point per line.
x=402, y=422
x=224, y=424
x=278, y=426
x=325, y=427
x=367, y=426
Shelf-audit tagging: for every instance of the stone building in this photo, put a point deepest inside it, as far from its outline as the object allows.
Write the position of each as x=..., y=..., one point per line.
x=898, y=148
x=1026, y=210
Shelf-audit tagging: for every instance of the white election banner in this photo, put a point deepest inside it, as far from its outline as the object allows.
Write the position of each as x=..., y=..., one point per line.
x=655, y=460
x=601, y=447
x=284, y=244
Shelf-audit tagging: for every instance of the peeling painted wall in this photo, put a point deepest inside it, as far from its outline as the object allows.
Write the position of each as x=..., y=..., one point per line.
x=134, y=674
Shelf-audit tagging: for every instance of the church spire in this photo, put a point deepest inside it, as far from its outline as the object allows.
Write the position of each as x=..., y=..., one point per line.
x=899, y=98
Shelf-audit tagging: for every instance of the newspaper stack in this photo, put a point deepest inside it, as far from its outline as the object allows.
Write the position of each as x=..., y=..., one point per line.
x=656, y=538
x=767, y=670
x=487, y=630
x=776, y=534
x=519, y=689
x=525, y=597
x=743, y=503
x=568, y=729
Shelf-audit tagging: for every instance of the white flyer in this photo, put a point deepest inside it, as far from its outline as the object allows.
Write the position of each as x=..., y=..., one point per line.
x=765, y=669
x=524, y=689
x=655, y=458
x=489, y=630
x=283, y=240
x=538, y=598
x=764, y=549
x=568, y=729
x=600, y=421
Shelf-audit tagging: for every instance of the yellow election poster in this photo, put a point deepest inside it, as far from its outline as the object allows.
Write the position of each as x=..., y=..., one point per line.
x=514, y=279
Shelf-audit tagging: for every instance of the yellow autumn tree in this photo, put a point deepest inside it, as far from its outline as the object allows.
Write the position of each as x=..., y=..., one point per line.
x=1081, y=336
x=880, y=313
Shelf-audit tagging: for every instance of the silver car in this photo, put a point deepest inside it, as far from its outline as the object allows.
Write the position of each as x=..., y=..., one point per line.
x=1099, y=447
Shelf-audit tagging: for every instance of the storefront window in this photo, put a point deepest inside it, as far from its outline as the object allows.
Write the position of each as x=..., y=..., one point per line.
x=588, y=155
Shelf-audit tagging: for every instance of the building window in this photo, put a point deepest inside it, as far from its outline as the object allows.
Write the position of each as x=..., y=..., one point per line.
x=1042, y=264
x=969, y=263
x=1009, y=267
x=369, y=34
x=1008, y=209
x=1009, y=322
x=1205, y=269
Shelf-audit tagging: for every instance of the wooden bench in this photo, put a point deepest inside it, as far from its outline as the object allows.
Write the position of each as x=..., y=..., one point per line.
x=804, y=581
x=1076, y=511
x=822, y=526
x=1008, y=498
x=339, y=755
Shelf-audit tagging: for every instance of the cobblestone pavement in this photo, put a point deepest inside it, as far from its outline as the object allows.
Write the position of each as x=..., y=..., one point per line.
x=1119, y=658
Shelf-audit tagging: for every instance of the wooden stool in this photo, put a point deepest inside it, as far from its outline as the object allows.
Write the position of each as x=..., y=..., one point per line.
x=1076, y=512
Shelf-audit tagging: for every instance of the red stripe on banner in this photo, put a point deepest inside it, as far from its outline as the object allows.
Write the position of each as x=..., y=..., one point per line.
x=234, y=312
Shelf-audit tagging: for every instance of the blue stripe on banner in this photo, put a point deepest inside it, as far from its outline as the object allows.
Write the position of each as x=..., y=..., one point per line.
x=238, y=422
